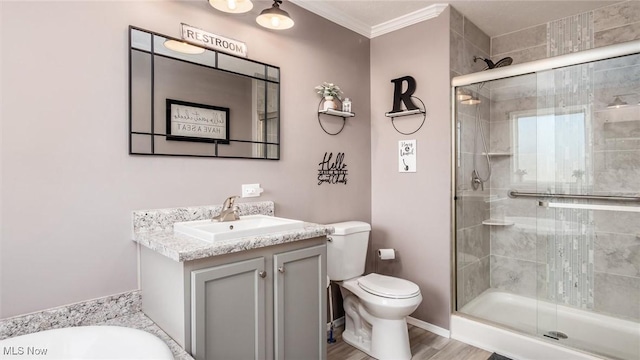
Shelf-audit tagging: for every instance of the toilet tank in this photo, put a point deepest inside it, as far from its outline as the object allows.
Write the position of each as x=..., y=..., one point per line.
x=347, y=250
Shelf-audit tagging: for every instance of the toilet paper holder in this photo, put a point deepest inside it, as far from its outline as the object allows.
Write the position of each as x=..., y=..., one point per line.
x=386, y=254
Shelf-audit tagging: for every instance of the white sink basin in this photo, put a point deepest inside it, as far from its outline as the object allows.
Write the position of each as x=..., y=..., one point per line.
x=250, y=225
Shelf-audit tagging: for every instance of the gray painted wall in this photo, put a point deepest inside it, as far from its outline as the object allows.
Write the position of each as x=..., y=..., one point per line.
x=68, y=185
x=411, y=211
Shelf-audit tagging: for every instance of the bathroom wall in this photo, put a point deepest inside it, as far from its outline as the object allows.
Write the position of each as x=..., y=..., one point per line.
x=68, y=185
x=605, y=26
x=610, y=282
x=472, y=241
x=411, y=211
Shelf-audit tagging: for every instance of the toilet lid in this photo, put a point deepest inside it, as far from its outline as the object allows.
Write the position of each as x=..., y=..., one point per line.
x=389, y=287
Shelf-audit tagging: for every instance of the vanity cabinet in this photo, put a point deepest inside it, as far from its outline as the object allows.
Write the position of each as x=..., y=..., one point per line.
x=267, y=303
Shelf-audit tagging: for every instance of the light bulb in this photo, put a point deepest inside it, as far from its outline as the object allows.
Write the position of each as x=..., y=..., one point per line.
x=275, y=22
x=231, y=4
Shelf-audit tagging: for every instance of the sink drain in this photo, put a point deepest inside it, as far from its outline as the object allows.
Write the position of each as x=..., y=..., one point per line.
x=557, y=335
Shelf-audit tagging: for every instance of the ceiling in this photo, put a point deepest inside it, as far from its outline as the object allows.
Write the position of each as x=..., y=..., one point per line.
x=367, y=17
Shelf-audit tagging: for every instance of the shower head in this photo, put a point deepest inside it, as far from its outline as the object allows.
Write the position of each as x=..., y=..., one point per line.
x=491, y=65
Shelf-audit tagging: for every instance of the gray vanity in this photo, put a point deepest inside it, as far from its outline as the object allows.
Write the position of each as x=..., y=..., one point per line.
x=258, y=297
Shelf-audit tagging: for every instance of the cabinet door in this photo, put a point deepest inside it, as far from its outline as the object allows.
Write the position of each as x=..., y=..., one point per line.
x=227, y=311
x=300, y=319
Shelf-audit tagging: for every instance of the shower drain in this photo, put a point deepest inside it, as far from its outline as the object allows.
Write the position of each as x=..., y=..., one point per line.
x=557, y=335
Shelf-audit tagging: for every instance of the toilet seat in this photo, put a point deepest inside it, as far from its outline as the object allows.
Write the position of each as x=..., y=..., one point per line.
x=388, y=286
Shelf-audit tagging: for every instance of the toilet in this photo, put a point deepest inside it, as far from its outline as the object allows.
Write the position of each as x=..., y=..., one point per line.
x=376, y=306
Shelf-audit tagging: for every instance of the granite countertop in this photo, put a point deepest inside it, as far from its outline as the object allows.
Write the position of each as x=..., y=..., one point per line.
x=154, y=230
x=180, y=247
x=140, y=321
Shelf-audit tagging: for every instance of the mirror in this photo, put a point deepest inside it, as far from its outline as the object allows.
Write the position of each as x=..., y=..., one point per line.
x=205, y=103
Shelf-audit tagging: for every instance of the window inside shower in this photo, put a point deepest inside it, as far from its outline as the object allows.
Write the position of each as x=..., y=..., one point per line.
x=534, y=156
x=549, y=234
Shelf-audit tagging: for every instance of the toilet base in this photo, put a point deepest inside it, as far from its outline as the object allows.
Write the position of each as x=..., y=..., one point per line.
x=389, y=340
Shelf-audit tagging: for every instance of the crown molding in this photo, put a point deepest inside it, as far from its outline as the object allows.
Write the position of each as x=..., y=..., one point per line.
x=415, y=17
x=325, y=10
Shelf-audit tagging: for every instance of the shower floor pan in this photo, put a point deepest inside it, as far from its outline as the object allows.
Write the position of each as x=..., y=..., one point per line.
x=587, y=331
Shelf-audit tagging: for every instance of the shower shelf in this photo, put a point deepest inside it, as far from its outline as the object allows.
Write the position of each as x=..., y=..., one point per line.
x=495, y=222
x=498, y=154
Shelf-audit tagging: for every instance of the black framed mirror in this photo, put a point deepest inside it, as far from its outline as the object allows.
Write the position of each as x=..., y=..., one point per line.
x=204, y=103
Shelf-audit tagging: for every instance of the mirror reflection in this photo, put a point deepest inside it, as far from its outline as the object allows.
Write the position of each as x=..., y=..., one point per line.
x=200, y=103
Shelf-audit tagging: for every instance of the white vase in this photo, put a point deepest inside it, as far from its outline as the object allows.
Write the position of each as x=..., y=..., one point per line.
x=328, y=103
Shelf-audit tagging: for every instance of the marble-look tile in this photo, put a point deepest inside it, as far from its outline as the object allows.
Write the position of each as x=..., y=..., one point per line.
x=617, y=129
x=471, y=50
x=476, y=278
x=456, y=44
x=502, y=110
x=618, y=62
x=502, y=172
x=616, y=15
x=477, y=37
x=618, y=254
x=617, y=35
x=460, y=298
x=616, y=160
x=83, y=313
x=455, y=21
x=616, y=79
x=617, y=222
x=515, y=92
x=473, y=244
x=516, y=241
x=471, y=140
x=610, y=178
x=500, y=137
x=524, y=55
x=526, y=38
x=513, y=275
x=474, y=210
x=163, y=219
x=617, y=295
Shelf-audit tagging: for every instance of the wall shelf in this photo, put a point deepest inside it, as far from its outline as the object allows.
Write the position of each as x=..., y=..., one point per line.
x=498, y=154
x=496, y=222
x=392, y=114
x=332, y=112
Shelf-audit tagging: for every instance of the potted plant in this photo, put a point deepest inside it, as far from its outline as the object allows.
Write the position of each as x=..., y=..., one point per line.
x=329, y=91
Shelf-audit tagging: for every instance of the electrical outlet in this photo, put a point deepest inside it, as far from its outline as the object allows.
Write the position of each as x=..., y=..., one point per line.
x=251, y=190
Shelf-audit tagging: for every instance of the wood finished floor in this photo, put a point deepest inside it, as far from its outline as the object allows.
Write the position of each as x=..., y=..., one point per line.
x=424, y=346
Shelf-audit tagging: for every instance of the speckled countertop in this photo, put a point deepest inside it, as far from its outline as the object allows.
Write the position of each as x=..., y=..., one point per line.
x=154, y=230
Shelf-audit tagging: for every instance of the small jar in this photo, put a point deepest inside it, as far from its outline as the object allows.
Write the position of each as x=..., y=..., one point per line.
x=346, y=105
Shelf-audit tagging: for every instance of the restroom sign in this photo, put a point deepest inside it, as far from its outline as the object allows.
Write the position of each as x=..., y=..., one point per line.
x=407, y=156
x=200, y=37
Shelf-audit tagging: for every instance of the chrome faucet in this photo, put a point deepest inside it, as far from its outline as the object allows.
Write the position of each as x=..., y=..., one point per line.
x=229, y=212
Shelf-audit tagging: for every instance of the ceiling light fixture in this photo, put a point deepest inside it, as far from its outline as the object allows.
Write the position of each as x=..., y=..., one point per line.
x=463, y=94
x=232, y=6
x=183, y=47
x=275, y=18
x=617, y=103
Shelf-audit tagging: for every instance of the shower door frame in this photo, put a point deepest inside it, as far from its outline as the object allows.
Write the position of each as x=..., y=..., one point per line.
x=533, y=67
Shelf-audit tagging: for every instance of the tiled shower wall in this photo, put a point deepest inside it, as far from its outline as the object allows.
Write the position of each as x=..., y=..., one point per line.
x=518, y=257
x=467, y=41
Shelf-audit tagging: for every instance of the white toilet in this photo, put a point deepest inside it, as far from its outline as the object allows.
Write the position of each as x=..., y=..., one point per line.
x=375, y=305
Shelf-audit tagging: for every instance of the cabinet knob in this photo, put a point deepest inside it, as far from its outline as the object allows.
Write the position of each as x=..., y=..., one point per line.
x=281, y=269
x=263, y=274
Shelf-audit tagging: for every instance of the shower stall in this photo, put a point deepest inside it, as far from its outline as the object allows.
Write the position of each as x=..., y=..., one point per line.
x=547, y=201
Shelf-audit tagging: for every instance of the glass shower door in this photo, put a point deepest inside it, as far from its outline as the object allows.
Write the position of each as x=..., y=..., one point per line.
x=588, y=224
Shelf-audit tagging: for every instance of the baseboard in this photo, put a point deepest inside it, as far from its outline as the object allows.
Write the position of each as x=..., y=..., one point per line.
x=429, y=327
x=339, y=322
